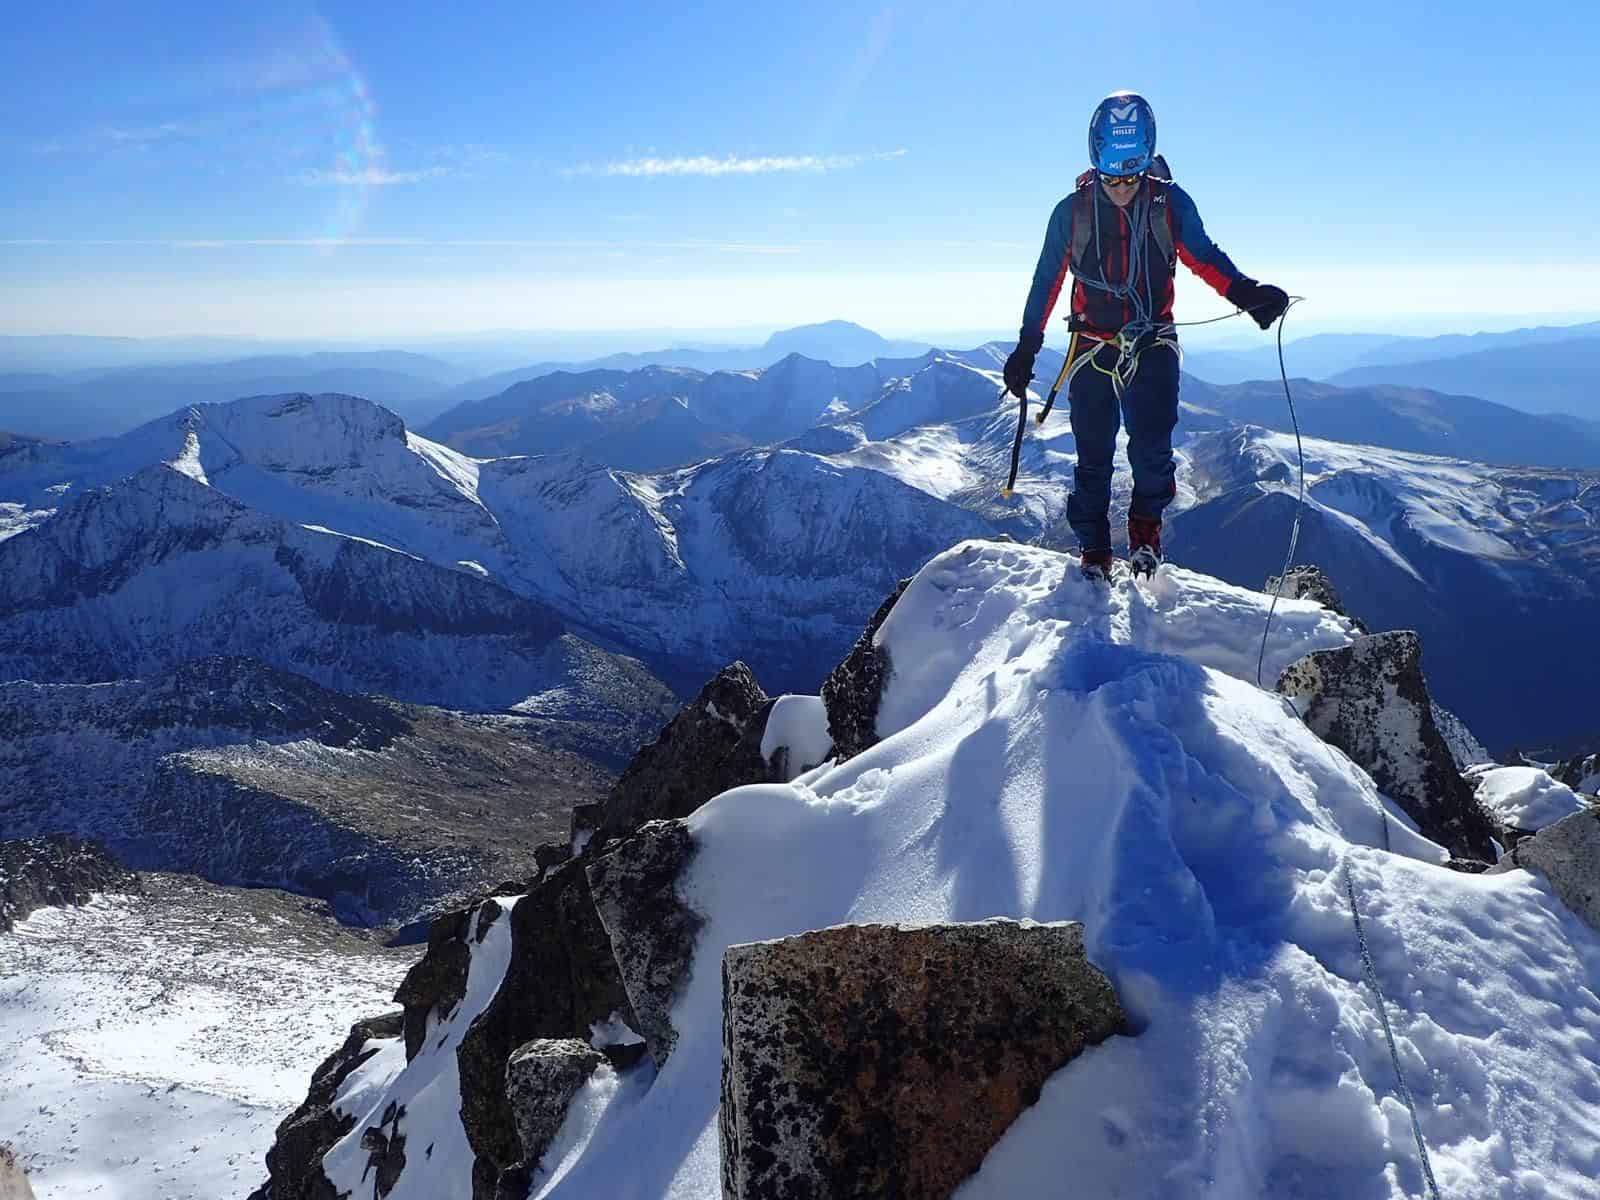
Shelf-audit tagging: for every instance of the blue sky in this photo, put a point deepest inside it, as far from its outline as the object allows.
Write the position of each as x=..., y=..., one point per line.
x=367, y=169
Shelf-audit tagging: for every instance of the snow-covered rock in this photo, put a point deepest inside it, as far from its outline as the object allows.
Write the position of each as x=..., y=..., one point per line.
x=1567, y=853
x=55, y=871
x=1524, y=799
x=542, y=1077
x=552, y=976
x=853, y=691
x=652, y=928
x=1371, y=701
x=1049, y=750
x=714, y=743
x=796, y=736
x=1465, y=748
x=1309, y=582
x=317, y=1124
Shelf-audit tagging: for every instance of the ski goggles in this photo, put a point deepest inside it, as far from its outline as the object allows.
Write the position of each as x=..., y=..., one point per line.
x=1120, y=180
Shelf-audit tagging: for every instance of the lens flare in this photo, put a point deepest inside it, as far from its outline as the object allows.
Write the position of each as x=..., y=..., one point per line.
x=306, y=104
x=356, y=161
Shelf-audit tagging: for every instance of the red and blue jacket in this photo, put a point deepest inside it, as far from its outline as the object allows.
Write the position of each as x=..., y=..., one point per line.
x=1096, y=311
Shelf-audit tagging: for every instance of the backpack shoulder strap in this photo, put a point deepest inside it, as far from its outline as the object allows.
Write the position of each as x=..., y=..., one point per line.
x=1160, y=218
x=1082, y=220
x=1083, y=199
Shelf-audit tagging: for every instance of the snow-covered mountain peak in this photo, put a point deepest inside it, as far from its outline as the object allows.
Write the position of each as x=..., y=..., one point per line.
x=1052, y=749
x=942, y=391
x=304, y=432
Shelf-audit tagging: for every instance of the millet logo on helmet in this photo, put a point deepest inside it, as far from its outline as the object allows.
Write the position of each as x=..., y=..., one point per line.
x=1122, y=134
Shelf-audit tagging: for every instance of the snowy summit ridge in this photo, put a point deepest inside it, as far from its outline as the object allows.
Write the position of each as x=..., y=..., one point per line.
x=1054, y=750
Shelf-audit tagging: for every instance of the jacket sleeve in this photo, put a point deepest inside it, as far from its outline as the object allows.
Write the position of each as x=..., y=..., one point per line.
x=1198, y=252
x=1055, y=260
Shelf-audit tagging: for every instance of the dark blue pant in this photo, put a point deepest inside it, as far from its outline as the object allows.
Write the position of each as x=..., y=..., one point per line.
x=1150, y=411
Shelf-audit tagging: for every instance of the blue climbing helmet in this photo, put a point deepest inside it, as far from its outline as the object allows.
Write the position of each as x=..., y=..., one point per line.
x=1122, y=134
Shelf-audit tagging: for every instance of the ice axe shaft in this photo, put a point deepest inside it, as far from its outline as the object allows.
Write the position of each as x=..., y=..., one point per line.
x=1066, y=365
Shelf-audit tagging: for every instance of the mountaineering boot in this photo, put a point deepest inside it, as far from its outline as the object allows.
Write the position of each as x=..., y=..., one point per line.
x=1096, y=565
x=1144, y=544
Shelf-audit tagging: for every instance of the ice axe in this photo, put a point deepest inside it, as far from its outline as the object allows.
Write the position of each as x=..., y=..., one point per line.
x=1022, y=417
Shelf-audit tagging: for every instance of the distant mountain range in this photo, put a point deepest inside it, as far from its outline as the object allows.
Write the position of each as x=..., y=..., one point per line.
x=1546, y=369
x=1544, y=377
x=105, y=402
x=837, y=343
x=1406, y=418
x=319, y=534
x=1551, y=375
x=1324, y=355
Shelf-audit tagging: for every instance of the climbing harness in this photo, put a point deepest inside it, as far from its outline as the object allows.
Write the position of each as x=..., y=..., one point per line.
x=1369, y=968
x=1130, y=347
x=1137, y=335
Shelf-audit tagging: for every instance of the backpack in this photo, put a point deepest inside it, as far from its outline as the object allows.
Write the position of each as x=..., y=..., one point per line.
x=1083, y=217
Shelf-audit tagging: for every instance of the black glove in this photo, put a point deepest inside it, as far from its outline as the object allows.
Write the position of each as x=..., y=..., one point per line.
x=1261, y=300
x=1019, y=367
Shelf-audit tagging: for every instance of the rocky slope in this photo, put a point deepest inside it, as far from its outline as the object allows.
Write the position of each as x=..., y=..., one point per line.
x=241, y=773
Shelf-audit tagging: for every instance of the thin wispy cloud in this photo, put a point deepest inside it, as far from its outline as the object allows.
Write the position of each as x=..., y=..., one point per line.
x=709, y=165
x=124, y=137
x=369, y=176
x=618, y=246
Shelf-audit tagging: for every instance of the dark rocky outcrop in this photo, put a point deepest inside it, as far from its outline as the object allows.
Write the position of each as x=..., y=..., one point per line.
x=652, y=929
x=439, y=980
x=883, y=1060
x=1566, y=853
x=855, y=688
x=53, y=872
x=541, y=1079
x=1371, y=701
x=1307, y=582
x=294, y=1162
x=711, y=745
x=584, y=822
x=561, y=980
x=551, y=854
